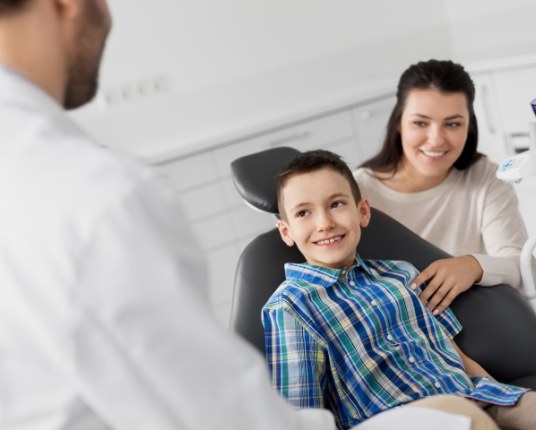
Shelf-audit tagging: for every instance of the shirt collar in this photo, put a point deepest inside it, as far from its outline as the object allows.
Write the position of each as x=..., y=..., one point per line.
x=15, y=88
x=323, y=276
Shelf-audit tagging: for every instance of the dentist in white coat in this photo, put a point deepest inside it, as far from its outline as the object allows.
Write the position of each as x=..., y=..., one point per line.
x=103, y=324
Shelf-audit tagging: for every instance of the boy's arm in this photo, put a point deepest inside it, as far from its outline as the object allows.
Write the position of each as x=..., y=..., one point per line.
x=296, y=360
x=472, y=368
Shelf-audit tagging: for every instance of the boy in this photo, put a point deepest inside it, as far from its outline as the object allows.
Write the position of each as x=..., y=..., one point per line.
x=349, y=334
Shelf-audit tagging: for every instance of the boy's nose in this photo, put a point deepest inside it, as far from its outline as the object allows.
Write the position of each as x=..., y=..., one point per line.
x=324, y=222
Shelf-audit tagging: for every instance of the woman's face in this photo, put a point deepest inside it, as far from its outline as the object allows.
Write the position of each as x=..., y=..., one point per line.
x=433, y=130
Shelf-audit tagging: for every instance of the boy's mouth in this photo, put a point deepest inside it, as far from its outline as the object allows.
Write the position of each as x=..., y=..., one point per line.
x=330, y=241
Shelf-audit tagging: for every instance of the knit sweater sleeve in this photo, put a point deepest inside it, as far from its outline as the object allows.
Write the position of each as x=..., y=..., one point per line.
x=503, y=233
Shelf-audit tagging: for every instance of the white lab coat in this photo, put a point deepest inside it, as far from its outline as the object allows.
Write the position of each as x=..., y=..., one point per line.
x=102, y=324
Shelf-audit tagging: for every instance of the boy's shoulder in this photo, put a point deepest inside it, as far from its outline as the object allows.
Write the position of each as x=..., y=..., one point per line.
x=383, y=267
x=301, y=282
x=291, y=291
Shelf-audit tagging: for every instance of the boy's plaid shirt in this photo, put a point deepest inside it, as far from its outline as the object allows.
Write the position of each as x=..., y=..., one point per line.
x=359, y=341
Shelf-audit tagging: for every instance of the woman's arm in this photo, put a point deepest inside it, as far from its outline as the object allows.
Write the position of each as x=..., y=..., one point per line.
x=446, y=279
x=502, y=232
x=503, y=235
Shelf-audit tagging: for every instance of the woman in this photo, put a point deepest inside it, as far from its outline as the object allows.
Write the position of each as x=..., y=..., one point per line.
x=430, y=177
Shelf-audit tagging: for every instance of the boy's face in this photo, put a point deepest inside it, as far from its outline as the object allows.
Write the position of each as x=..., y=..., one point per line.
x=322, y=218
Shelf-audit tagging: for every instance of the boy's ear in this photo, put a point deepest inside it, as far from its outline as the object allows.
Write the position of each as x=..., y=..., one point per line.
x=364, y=211
x=284, y=231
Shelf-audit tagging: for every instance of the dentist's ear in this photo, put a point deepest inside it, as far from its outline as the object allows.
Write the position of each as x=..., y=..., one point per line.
x=364, y=211
x=284, y=231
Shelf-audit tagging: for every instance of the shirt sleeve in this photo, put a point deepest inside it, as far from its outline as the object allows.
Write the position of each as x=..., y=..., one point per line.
x=503, y=234
x=144, y=351
x=296, y=360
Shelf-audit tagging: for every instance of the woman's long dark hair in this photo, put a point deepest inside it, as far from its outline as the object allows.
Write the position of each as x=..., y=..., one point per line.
x=447, y=77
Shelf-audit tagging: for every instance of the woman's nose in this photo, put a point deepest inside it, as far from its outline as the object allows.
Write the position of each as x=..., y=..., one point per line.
x=435, y=135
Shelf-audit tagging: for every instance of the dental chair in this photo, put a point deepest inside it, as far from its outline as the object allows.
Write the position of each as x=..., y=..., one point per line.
x=499, y=323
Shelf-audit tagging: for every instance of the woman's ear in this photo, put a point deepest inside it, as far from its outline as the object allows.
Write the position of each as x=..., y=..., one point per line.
x=284, y=231
x=364, y=212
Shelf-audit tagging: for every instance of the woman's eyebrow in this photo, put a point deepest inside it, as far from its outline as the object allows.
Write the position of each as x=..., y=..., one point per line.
x=455, y=116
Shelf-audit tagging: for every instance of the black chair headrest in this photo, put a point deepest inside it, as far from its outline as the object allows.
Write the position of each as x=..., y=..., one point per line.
x=255, y=175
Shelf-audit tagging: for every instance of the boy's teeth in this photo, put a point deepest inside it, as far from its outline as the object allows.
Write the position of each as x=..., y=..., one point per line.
x=326, y=241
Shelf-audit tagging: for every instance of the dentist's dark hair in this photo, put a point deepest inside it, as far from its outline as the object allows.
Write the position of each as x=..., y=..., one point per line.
x=311, y=161
x=448, y=78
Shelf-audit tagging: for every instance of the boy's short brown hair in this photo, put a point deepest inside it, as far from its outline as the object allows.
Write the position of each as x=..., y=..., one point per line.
x=312, y=161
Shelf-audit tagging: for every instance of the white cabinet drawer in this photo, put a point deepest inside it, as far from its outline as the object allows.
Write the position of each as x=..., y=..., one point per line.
x=370, y=123
x=232, y=199
x=348, y=150
x=313, y=134
x=200, y=202
x=214, y=232
x=189, y=171
x=306, y=135
x=206, y=200
x=221, y=269
x=225, y=155
x=248, y=222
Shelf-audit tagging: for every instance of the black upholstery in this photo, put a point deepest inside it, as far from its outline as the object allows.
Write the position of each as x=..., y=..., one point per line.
x=255, y=176
x=499, y=323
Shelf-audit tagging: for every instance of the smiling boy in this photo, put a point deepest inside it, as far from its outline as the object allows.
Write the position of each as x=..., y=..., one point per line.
x=349, y=334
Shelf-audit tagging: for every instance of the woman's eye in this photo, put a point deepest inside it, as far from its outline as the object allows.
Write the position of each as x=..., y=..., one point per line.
x=453, y=124
x=420, y=123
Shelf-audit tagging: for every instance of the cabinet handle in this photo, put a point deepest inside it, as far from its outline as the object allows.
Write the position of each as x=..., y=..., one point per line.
x=366, y=114
x=370, y=113
x=486, y=103
x=290, y=138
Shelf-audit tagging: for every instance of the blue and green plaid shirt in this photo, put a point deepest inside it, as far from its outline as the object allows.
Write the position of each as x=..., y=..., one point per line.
x=359, y=341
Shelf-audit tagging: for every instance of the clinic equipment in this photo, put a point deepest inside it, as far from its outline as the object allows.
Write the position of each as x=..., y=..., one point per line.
x=514, y=170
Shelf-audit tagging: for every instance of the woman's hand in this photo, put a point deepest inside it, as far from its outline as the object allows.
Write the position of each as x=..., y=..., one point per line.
x=446, y=279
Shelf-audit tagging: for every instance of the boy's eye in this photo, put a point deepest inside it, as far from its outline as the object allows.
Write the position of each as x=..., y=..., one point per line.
x=301, y=214
x=337, y=204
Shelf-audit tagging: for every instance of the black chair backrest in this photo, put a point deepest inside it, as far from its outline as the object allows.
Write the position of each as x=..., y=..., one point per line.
x=499, y=323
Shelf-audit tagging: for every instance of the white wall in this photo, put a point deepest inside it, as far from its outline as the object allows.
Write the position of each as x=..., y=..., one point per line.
x=491, y=29
x=220, y=65
x=178, y=73
x=207, y=43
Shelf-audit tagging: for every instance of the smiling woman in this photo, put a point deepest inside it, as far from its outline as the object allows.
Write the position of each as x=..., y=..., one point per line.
x=430, y=177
